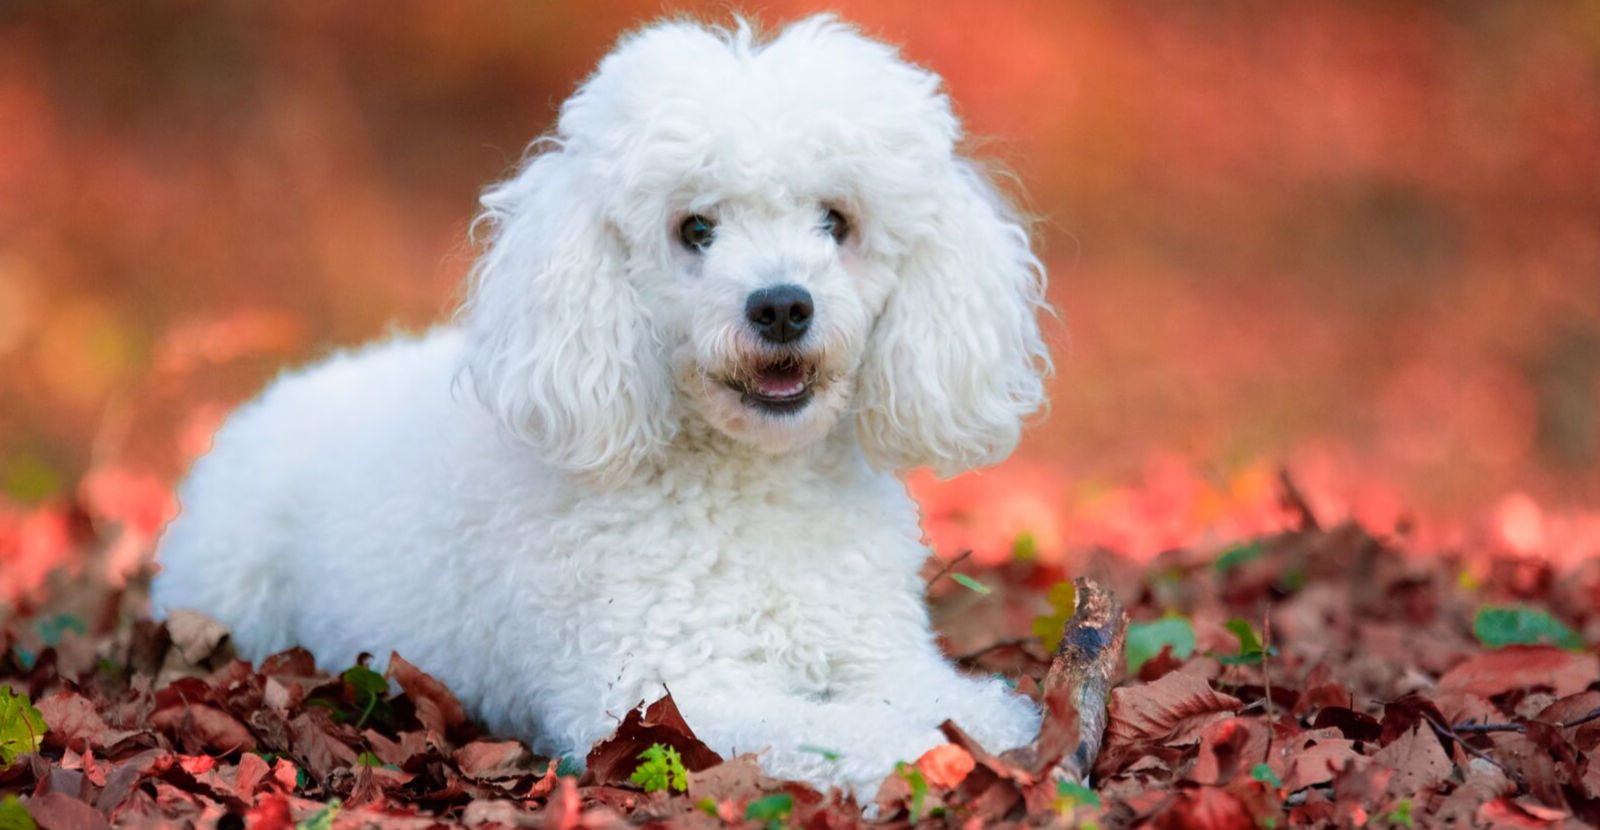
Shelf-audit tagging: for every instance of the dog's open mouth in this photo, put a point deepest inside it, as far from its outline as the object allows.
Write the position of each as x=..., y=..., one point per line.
x=780, y=386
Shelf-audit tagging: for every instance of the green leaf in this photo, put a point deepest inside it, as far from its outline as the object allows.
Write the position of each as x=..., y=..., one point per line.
x=363, y=679
x=1237, y=555
x=368, y=759
x=919, y=788
x=1049, y=628
x=1071, y=794
x=14, y=816
x=1248, y=641
x=1401, y=814
x=774, y=809
x=1264, y=774
x=22, y=727
x=371, y=693
x=1497, y=627
x=827, y=754
x=321, y=819
x=972, y=584
x=1251, y=652
x=662, y=770
x=1145, y=640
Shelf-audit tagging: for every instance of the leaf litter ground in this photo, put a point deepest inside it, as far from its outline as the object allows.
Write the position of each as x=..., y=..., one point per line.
x=1316, y=678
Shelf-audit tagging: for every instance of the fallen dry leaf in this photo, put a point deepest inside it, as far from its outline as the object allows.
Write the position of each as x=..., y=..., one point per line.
x=1522, y=667
x=1169, y=711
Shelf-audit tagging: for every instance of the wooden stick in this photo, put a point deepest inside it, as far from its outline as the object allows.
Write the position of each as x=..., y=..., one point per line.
x=1083, y=671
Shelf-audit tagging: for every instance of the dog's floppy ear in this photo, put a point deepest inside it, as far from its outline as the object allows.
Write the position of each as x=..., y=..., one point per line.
x=561, y=350
x=956, y=361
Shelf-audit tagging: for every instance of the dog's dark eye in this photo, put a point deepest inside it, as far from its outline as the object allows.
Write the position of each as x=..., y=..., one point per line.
x=835, y=225
x=697, y=232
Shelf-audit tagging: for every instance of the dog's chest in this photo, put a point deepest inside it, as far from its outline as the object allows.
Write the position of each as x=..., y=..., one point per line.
x=799, y=591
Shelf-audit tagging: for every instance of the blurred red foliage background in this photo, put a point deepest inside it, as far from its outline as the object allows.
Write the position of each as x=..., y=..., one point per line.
x=1360, y=241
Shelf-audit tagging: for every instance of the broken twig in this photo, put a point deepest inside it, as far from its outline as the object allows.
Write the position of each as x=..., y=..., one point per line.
x=1082, y=673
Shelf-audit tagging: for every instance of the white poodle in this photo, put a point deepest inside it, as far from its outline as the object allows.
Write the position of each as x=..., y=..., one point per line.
x=741, y=286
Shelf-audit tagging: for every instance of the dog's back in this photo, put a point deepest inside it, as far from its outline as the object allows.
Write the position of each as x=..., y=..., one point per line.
x=248, y=504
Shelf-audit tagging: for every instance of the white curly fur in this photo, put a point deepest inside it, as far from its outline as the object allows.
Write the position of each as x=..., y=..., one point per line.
x=605, y=518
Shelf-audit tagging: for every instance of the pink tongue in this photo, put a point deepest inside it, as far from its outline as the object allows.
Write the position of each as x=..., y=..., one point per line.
x=781, y=382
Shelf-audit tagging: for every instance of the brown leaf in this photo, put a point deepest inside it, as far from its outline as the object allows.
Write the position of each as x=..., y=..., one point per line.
x=1320, y=762
x=497, y=812
x=615, y=758
x=1568, y=708
x=736, y=779
x=1419, y=762
x=1354, y=725
x=1401, y=717
x=1505, y=814
x=1484, y=783
x=1228, y=748
x=296, y=662
x=1170, y=711
x=122, y=780
x=204, y=726
x=487, y=761
x=398, y=752
x=1322, y=690
x=195, y=636
x=59, y=811
x=318, y=743
x=76, y=724
x=1522, y=667
x=437, y=708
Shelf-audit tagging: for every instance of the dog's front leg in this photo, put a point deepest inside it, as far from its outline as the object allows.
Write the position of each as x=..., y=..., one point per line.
x=921, y=684
x=853, y=743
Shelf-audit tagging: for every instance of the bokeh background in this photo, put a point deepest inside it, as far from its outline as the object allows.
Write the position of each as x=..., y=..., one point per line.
x=1356, y=241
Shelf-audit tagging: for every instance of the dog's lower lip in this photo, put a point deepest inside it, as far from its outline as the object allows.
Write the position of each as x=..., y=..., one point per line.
x=777, y=404
x=790, y=403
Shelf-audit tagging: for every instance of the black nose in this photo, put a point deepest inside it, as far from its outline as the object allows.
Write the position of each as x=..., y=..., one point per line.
x=780, y=314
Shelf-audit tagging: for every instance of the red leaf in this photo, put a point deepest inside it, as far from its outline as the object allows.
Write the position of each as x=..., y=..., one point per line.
x=252, y=770
x=1522, y=667
x=1206, y=808
x=946, y=765
x=271, y=813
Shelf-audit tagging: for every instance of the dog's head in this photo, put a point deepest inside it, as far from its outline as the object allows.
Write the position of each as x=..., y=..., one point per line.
x=775, y=239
